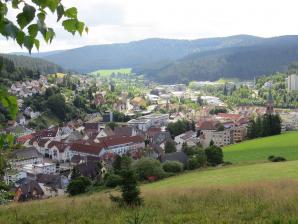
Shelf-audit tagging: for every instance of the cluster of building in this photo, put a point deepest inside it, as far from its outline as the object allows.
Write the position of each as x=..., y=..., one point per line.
x=29, y=88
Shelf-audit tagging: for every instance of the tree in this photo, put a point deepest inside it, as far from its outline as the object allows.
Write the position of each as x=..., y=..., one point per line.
x=57, y=105
x=75, y=173
x=170, y=147
x=130, y=193
x=146, y=168
x=30, y=21
x=78, y=185
x=117, y=164
x=172, y=166
x=214, y=155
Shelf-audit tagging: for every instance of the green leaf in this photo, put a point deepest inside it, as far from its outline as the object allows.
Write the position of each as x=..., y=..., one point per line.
x=37, y=44
x=11, y=30
x=28, y=43
x=41, y=16
x=53, y=4
x=70, y=25
x=71, y=13
x=25, y=17
x=87, y=29
x=15, y=3
x=20, y=38
x=49, y=35
x=41, y=3
x=80, y=27
x=32, y=30
x=60, y=12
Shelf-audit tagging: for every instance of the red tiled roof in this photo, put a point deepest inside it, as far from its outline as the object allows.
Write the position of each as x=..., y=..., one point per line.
x=207, y=125
x=24, y=138
x=116, y=140
x=46, y=133
x=153, y=131
x=229, y=116
x=42, y=142
x=94, y=149
x=59, y=145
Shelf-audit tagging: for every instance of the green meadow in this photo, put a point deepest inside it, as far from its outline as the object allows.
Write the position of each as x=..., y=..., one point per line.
x=108, y=72
x=258, y=150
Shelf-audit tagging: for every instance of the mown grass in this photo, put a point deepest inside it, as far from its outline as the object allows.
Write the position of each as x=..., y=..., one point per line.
x=108, y=72
x=264, y=202
x=258, y=150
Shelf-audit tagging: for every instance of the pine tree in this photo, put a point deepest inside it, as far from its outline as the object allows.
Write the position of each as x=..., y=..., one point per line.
x=130, y=193
x=75, y=173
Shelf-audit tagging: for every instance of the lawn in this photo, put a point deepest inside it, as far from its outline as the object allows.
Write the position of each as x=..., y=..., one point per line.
x=108, y=72
x=258, y=150
x=230, y=175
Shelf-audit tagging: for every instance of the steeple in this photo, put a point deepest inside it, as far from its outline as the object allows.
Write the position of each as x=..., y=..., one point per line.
x=270, y=103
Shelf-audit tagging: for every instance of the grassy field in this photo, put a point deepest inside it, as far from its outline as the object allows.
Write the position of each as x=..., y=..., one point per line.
x=258, y=150
x=250, y=203
x=249, y=191
x=108, y=72
x=230, y=175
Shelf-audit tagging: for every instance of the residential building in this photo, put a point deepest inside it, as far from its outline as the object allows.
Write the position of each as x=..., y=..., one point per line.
x=21, y=157
x=12, y=175
x=292, y=82
x=189, y=137
x=41, y=168
x=152, y=120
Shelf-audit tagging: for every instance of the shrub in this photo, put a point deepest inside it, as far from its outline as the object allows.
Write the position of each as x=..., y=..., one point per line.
x=172, y=166
x=192, y=163
x=148, y=167
x=78, y=185
x=113, y=180
x=201, y=157
x=170, y=147
x=276, y=159
x=214, y=155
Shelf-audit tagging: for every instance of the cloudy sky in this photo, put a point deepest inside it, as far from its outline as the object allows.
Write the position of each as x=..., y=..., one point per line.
x=117, y=21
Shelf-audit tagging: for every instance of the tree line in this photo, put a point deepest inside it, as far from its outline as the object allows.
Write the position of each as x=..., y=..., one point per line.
x=262, y=126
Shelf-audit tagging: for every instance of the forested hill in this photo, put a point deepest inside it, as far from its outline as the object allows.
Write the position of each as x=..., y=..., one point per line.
x=139, y=53
x=172, y=61
x=35, y=64
x=240, y=62
x=18, y=68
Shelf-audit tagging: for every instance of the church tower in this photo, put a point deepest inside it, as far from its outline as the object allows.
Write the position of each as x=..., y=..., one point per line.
x=270, y=103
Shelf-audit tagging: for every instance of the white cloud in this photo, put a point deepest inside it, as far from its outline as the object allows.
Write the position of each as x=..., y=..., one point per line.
x=113, y=21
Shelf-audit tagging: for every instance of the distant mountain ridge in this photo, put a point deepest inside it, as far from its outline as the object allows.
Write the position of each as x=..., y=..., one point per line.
x=170, y=60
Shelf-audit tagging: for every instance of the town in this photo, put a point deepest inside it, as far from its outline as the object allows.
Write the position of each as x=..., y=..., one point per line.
x=126, y=115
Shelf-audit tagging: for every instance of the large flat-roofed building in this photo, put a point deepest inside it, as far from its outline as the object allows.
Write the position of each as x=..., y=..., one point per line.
x=292, y=82
x=152, y=120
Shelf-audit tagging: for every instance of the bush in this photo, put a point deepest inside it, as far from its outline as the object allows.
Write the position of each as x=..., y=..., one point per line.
x=172, y=167
x=214, y=155
x=201, y=158
x=148, y=167
x=113, y=180
x=192, y=163
x=276, y=159
x=78, y=185
x=170, y=147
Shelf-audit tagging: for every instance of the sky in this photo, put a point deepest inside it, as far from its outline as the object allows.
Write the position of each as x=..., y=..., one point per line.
x=120, y=21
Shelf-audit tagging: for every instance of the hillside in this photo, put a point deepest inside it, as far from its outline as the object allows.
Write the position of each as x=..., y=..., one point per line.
x=258, y=150
x=270, y=56
x=172, y=61
x=191, y=198
x=149, y=52
x=254, y=193
x=34, y=64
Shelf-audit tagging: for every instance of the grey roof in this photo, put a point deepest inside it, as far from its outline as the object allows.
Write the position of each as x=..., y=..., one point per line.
x=175, y=156
x=51, y=180
x=27, y=153
x=123, y=131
